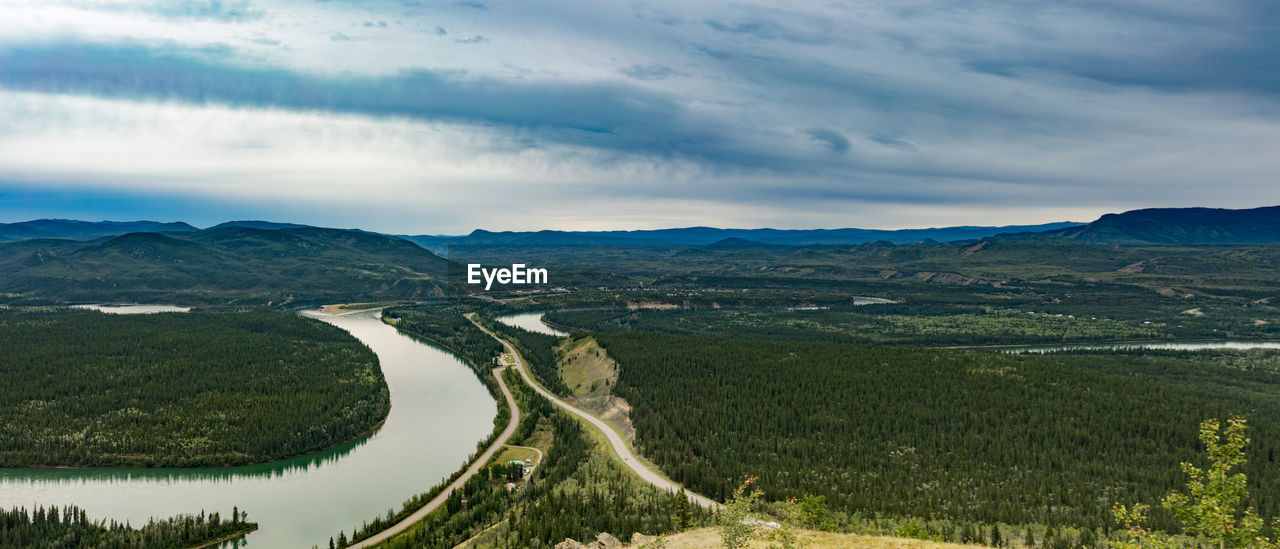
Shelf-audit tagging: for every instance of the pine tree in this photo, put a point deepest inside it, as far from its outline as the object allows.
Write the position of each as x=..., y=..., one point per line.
x=684, y=515
x=1088, y=538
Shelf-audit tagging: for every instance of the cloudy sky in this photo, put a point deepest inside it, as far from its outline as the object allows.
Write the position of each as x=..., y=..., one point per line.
x=439, y=117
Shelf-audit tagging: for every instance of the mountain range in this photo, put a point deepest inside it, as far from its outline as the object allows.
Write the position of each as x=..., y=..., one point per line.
x=702, y=236
x=71, y=229
x=1157, y=226
x=229, y=264
x=1180, y=226
x=259, y=262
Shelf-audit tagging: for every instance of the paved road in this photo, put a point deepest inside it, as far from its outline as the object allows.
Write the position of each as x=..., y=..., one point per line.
x=615, y=440
x=435, y=503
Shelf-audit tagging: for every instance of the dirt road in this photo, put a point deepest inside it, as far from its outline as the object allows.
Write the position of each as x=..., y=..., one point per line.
x=615, y=440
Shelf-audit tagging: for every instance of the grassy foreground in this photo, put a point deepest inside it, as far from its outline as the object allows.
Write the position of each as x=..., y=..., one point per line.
x=709, y=538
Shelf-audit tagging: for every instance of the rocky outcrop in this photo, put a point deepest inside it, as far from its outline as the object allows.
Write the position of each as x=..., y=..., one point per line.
x=606, y=541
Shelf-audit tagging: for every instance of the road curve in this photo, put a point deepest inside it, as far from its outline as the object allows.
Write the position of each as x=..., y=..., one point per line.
x=476, y=464
x=615, y=440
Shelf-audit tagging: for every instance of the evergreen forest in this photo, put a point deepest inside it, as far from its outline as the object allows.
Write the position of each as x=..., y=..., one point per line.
x=953, y=435
x=84, y=388
x=70, y=528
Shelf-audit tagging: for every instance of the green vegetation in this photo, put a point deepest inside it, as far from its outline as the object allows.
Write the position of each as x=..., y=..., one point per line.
x=962, y=436
x=284, y=267
x=575, y=492
x=540, y=351
x=737, y=524
x=1233, y=290
x=84, y=388
x=1210, y=508
x=70, y=528
x=444, y=325
x=871, y=324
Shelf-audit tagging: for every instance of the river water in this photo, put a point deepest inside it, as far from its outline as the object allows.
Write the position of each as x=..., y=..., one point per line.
x=134, y=309
x=531, y=322
x=439, y=412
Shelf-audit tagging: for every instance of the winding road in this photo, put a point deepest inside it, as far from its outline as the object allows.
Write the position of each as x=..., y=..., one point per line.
x=619, y=444
x=476, y=464
x=616, y=441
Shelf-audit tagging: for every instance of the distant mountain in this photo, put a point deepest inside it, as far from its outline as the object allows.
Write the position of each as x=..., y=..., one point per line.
x=703, y=236
x=228, y=264
x=1181, y=226
x=739, y=244
x=267, y=225
x=82, y=230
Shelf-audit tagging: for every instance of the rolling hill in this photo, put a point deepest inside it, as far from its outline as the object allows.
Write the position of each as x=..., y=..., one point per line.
x=702, y=236
x=82, y=230
x=1180, y=226
x=230, y=264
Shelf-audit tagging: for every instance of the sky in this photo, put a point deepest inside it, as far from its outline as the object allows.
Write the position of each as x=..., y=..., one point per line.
x=424, y=117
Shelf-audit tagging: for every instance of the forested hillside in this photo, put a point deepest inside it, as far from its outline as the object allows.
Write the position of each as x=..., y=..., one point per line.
x=82, y=230
x=932, y=325
x=939, y=434
x=85, y=388
x=229, y=264
x=539, y=350
x=444, y=325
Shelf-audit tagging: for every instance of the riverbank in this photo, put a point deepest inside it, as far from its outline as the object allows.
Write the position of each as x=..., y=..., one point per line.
x=406, y=456
x=458, y=480
x=226, y=538
x=191, y=390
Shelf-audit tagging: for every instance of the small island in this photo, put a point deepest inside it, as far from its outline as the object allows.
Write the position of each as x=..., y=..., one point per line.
x=195, y=389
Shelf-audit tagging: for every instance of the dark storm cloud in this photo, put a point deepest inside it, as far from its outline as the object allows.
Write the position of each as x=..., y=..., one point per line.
x=649, y=72
x=1238, y=70
x=1230, y=45
x=746, y=103
x=766, y=29
x=894, y=142
x=199, y=9
x=832, y=139
x=604, y=115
